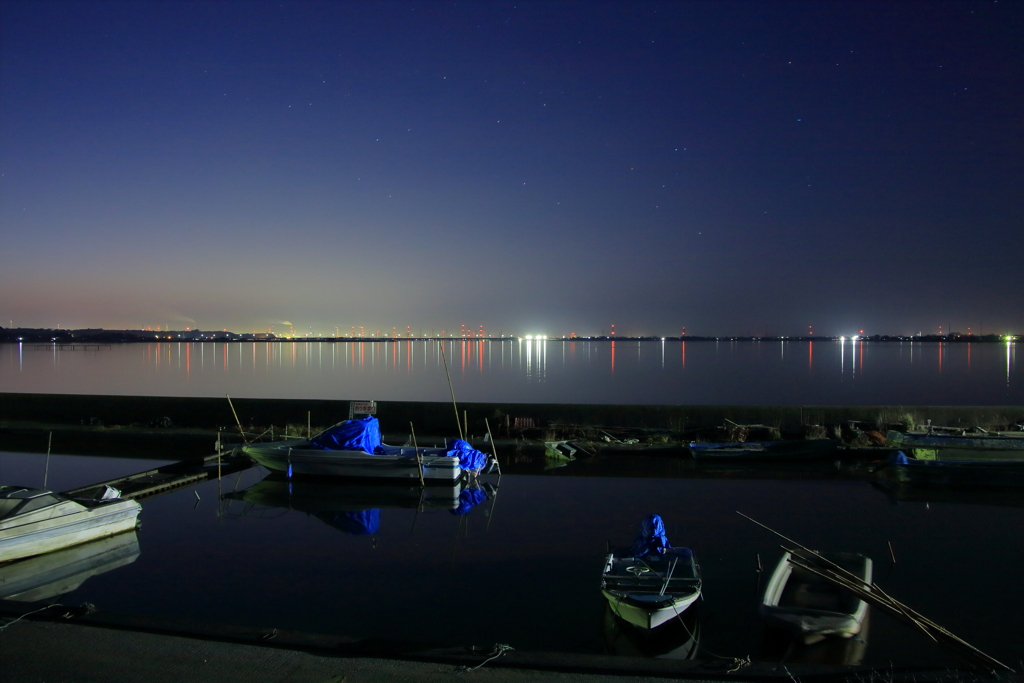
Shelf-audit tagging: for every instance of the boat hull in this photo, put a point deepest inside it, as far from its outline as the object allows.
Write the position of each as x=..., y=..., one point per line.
x=650, y=591
x=296, y=458
x=67, y=526
x=800, y=602
x=764, y=450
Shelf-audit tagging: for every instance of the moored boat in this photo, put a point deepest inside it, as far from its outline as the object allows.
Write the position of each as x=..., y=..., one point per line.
x=800, y=601
x=36, y=521
x=650, y=583
x=995, y=474
x=353, y=448
x=957, y=439
x=763, y=450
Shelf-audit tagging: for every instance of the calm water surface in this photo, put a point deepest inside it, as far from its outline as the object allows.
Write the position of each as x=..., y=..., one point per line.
x=624, y=372
x=522, y=567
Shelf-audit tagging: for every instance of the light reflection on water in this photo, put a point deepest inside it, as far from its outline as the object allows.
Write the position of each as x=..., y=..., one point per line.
x=522, y=568
x=849, y=372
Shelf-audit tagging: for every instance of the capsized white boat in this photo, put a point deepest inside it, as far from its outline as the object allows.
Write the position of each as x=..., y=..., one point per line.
x=651, y=583
x=813, y=607
x=36, y=521
x=353, y=448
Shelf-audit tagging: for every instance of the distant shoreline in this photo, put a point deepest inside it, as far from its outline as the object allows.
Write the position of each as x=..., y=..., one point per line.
x=92, y=337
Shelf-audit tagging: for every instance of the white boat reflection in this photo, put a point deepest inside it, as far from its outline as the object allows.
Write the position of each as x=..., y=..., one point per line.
x=46, y=576
x=677, y=639
x=353, y=507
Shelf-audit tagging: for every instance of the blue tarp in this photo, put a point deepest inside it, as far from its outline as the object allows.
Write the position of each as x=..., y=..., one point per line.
x=354, y=523
x=469, y=457
x=898, y=458
x=351, y=435
x=650, y=538
x=468, y=499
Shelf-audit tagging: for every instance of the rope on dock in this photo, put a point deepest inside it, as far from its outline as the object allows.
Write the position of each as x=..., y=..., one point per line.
x=499, y=650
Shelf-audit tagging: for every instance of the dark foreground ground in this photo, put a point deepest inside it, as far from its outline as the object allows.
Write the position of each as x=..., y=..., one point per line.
x=110, y=650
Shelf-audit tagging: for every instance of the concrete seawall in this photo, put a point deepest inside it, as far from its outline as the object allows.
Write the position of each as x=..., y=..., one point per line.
x=439, y=417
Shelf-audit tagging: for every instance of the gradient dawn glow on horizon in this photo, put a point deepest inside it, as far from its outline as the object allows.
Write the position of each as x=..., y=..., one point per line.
x=529, y=167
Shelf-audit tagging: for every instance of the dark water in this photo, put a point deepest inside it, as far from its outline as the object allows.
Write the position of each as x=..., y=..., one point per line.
x=623, y=372
x=522, y=567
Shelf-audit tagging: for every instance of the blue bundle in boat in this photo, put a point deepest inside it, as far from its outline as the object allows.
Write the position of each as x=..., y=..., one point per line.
x=650, y=538
x=469, y=457
x=351, y=435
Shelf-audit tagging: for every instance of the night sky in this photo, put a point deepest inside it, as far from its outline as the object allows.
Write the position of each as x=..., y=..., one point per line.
x=538, y=167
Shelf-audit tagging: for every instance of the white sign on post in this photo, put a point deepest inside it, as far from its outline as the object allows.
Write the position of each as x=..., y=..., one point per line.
x=361, y=408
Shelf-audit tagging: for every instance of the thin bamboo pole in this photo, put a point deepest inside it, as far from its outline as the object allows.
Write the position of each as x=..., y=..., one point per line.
x=46, y=470
x=448, y=375
x=494, y=448
x=419, y=462
x=874, y=594
x=237, y=421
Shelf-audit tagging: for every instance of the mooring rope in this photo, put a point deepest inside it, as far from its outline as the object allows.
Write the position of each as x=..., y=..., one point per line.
x=499, y=650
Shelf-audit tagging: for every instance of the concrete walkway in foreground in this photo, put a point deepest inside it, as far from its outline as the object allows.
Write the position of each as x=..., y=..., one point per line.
x=38, y=651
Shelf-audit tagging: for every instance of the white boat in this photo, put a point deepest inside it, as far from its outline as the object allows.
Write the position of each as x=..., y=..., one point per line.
x=353, y=449
x=651, y=583
x=802, y=602
x=37, y=521
x=47, y=576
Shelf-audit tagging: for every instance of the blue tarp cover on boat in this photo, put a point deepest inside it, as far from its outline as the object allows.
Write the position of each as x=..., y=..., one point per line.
x=351, y=435
x=354, y=523
x=650, y=538
x=469, y=457
x=468, y=499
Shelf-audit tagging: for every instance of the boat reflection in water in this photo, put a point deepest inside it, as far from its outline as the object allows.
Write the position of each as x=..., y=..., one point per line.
x=59, y=572
x=779, y=645
x=676, y=639
x=354, y=507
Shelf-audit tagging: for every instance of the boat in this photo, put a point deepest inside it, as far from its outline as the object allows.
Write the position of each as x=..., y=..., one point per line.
x=678, y=639
x=36, y=521
x=353, y=448
x=965, y=474
x=763, y=450
x=812, y=607
x=957, y=438
x=59, y=572
x=651, y=583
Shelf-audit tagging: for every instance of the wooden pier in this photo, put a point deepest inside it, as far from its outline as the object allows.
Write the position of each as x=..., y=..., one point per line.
x=169, y=477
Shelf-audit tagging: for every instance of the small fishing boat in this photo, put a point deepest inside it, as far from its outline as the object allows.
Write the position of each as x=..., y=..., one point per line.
x=650, y=583
x=36, y=521
x=353, y=448
x=800, y=601
x=960, y=438
x=985, y=474
x=763, y=450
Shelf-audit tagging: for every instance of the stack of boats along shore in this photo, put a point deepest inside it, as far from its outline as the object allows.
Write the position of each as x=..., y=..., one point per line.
x=50, y=542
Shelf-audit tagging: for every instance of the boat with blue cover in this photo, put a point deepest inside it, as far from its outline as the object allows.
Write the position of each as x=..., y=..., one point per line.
x=651, y=582
x=353, y=448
